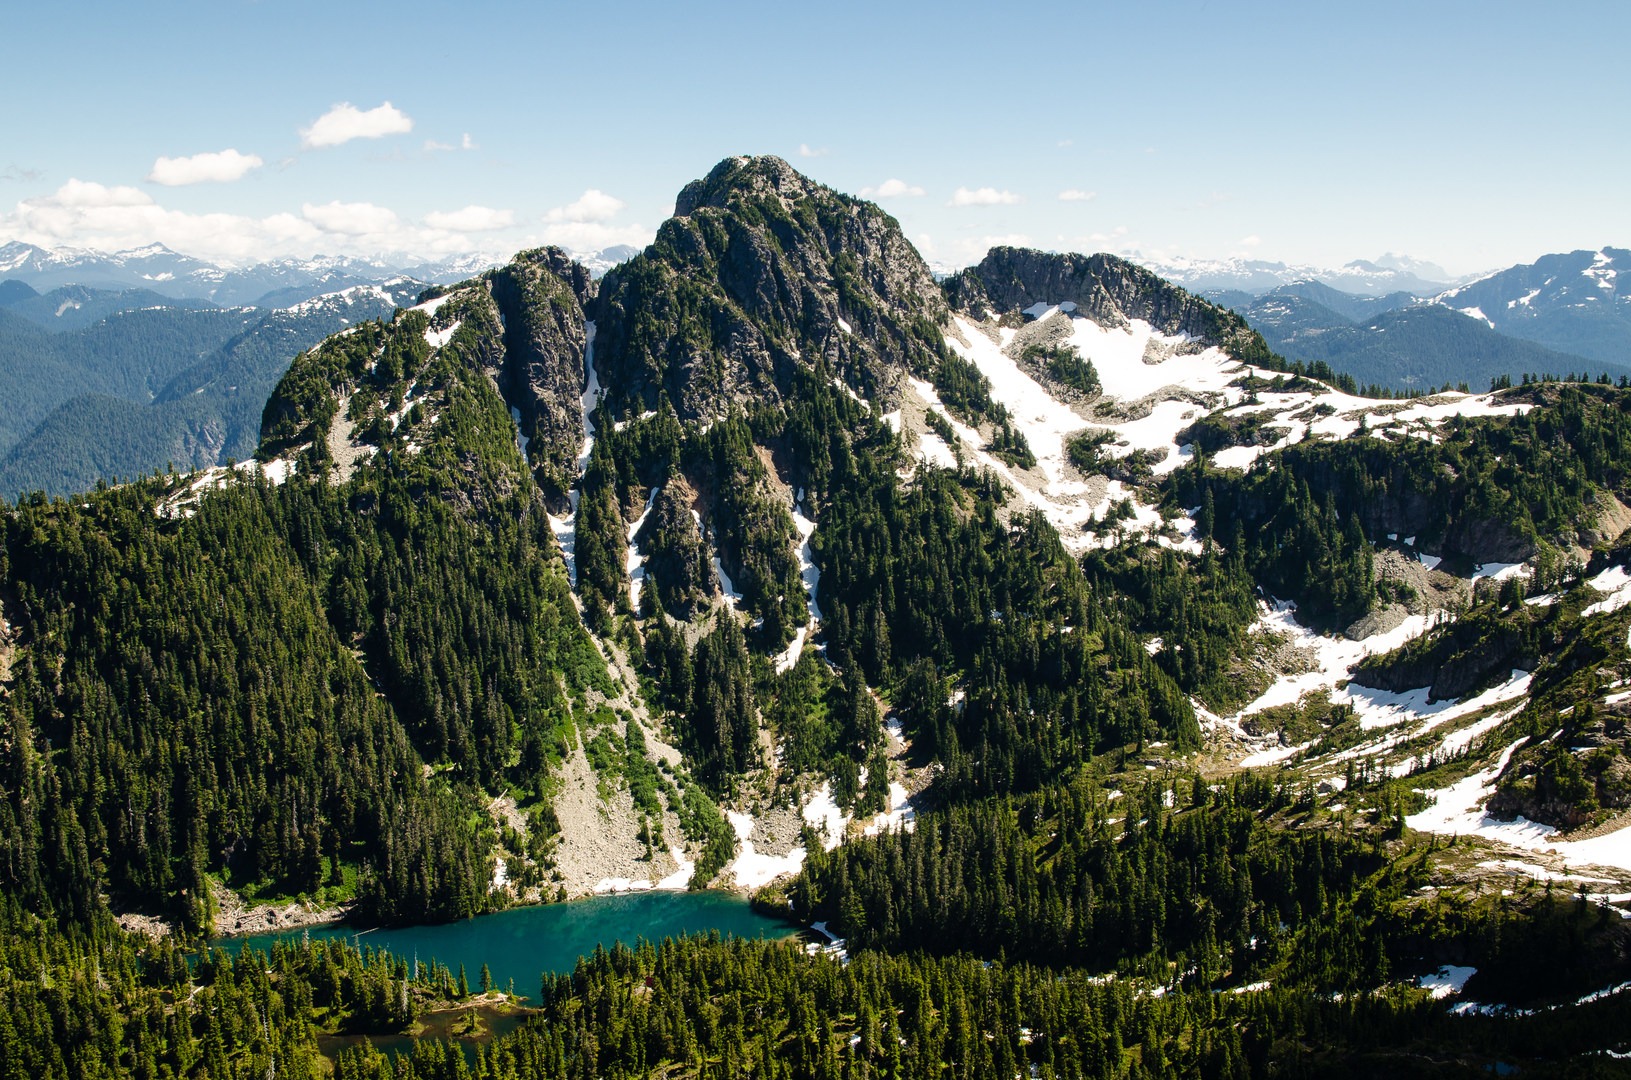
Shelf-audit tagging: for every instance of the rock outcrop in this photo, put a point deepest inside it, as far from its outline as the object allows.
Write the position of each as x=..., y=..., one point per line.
x=541, y=296
x=762, y=271
x=1107, y=289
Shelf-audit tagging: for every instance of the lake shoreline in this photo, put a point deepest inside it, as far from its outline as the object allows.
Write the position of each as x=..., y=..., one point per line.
x=523, y=941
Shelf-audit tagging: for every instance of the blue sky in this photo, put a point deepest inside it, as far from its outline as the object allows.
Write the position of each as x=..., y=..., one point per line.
x=1472, y=135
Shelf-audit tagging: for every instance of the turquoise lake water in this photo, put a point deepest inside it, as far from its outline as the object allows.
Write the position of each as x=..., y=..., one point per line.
x=522, y=943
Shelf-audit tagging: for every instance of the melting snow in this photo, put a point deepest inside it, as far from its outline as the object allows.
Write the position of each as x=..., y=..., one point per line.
x=437, y=338
x=634, y=562
x=1448, y=980
x=900, y=815
x=751, y=869
x=822, y=814
x=811, y=576
x=1458, y=809
x=680, y=879
x=429, y=307
x=933, y=449
x=1617, y=584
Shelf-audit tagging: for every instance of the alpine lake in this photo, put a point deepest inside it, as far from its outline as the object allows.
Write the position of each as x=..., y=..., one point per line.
x=521, y=944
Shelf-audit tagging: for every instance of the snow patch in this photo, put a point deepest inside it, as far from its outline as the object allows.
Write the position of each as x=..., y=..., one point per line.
x=900, y=815
x=634, y=563
x=1447, y=980
x=822, y=814
x=750, y=869
x=437, y=338
x=1617, y=584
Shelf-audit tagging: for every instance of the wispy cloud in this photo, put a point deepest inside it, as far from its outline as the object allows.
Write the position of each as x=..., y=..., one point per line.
x=1077, y=195
x=471, y=219
x=985, y=196
x=592, y=205
x=1250, y=241
x=221, y=166
x=19, y=174
x=345, y=122
x=806, y=150
x=891, y=189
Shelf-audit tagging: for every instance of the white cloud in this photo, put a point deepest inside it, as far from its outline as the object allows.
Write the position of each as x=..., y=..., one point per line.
x=806, y=150
x=1077, y=195
x=88, y=194
x=592, y=205
x=1251, y=241
x=222, y=166
x=891, y=189
x=986, y=196
x=467, y=143
x=433, y=147
x=83, y=213
x=351, y=219
x=471, y=219
x=345, y=122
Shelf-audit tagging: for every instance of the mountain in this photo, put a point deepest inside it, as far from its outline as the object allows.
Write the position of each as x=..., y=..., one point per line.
x=154, y=266
x=13, y=291
x=150, y=388
x=74, y=307
x=1109, y=694
x=1407, y=348
x=1353, y=307
x=1391, y=274
x=1571, y=302
x=273, y=283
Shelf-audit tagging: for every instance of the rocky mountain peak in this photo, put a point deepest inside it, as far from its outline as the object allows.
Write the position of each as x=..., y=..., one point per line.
x=735, y=177
x=761, y=272
x=1106, y=288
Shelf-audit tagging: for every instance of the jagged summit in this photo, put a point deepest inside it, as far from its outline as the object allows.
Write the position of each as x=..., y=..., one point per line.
x=734, y=177
x=1106, y=288
x=761, y=272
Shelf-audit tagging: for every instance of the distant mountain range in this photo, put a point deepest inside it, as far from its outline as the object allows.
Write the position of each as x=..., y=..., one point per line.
x=1561, y=314
x=272, y=284
x=1420, y=347
x=1574, y=303
x=101, y=384
x=1388, y=274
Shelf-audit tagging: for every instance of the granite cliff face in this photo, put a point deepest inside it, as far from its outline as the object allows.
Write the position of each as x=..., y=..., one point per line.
x=541, y=296
x=760, y=272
